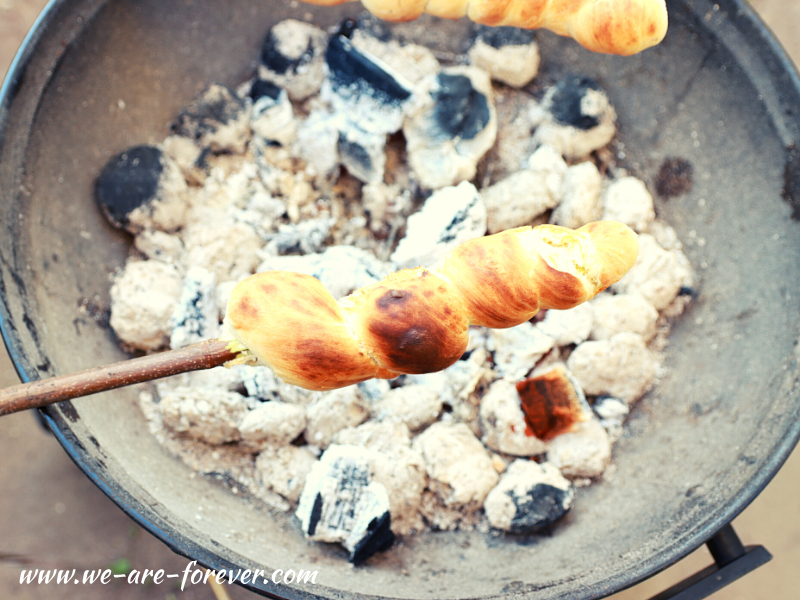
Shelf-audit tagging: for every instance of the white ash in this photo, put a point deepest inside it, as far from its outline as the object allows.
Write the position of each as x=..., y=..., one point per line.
x=260, y=382
x=266, y=205
x=186, y=154
x=394, y=464
x=318, y=141
x=410, y=61
x=620, y=366
x=478, y=336
x=571, y=326
x=143, y=298
x=517, y=200
x=548, y=162
x=196, y=317
x=305, y=237
x=665, y=235
x=373, y=390
x=518, y=349
x=211, y=415
x=292, y=57
x=575, y=117
x=529, y=497
x=272, y=423
x=384, y=203
x=616, y=313
x=581, y=201
x=217, y=119
x=456, y=384
x=459, y=468
x=450, y=217
x=509, y=54
x=628, y=201
x=612, y=413
x=455, y=127
x=158, y=245
x=658, y=274
x=503, y=422
x=222, y=245
x=272, y=118
x=332, y=412
x=340, y=501
x=583, y=452
x=341, y=269
x=383, y=436
x=513, y=144
x=220, y=378
x=417, y=406
x=283, y=469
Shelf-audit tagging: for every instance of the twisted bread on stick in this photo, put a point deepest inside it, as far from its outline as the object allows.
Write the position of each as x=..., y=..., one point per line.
x=622, y=27
x=417, y=320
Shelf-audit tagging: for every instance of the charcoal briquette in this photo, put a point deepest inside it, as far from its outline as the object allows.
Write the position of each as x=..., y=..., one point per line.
x=541, y=506
x=141, y=188
x=461, y=111
x=567, y=106
x=348, y=67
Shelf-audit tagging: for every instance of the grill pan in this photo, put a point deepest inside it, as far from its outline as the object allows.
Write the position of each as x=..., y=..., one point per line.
x=95, y=77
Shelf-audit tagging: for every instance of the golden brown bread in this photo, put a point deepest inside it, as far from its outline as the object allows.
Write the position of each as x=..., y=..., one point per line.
x=417, y=320
x=622, y=27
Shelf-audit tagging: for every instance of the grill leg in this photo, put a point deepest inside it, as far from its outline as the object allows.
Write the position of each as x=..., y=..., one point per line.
x=732, y=560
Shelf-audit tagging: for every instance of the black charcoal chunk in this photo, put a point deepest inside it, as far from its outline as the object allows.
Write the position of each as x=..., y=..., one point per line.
x=575, y=118
x=217, y=119
x=276, y=61
x=379, y=538
x=341, y=503
x=497, y=37
x=141, y=188
x=362, y=154
x=529, y=497
x=262, y=88
x=292, y=58
x=541, y=506
x=461, y=111
x=272, y=115
x=510, y=55
x=567, y=102
x=350, y=69
x=453, y=128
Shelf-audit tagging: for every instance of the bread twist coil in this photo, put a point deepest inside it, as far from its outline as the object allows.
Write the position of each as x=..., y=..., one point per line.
x=417, y=320
x=622, y=27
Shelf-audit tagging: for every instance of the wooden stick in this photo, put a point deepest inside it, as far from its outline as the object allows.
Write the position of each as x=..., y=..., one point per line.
x=203, y=355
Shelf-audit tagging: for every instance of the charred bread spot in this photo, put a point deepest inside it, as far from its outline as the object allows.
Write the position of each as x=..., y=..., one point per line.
x=406, y=333
x=392, y=298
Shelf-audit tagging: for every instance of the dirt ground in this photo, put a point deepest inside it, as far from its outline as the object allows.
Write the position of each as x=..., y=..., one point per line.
x=52, y=516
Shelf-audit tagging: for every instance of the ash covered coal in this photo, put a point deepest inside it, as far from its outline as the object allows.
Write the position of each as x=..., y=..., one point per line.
x=350, y=154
